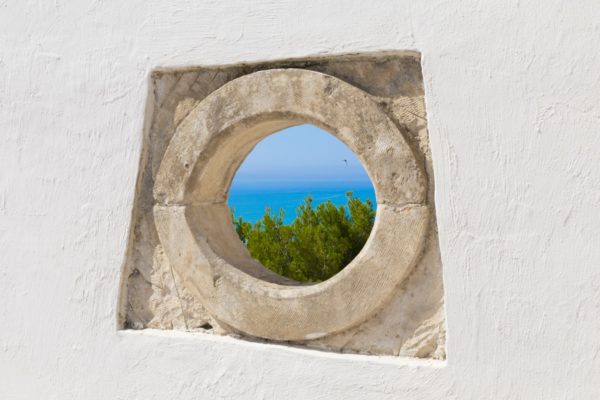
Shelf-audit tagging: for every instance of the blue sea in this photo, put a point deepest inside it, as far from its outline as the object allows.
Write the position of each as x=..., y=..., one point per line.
x=251, y=198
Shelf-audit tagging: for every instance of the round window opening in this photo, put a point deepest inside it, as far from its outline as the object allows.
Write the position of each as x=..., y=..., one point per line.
x=302, y=204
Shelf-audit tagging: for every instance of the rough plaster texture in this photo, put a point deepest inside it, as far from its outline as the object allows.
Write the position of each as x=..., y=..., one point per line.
x=513, y=115
x=368, y=308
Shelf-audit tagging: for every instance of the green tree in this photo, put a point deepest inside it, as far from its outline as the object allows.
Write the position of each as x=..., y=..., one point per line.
x=319, y=243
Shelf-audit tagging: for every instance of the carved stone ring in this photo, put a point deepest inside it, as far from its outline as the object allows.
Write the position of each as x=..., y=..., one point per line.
x=194, y=222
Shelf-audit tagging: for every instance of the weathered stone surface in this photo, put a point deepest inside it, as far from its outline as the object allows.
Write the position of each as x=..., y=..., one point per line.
x=392, y=83
x=271, y=310
x=429, y=338
x=225, y=126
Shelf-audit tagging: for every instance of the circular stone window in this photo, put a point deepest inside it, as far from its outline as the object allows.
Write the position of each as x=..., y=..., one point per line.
x=194, y=222
x=302, y=204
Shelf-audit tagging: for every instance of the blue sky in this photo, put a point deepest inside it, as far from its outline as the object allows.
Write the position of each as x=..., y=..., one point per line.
x=301, y=153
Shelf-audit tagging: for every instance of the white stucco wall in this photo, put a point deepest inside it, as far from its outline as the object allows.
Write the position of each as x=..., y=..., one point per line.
x=513, y=100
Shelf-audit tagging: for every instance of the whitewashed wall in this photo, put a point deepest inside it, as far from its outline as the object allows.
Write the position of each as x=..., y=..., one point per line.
x=513, y=96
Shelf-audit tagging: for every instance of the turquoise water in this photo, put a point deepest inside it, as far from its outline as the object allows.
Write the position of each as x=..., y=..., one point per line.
x=250, y=199
x=286, y=167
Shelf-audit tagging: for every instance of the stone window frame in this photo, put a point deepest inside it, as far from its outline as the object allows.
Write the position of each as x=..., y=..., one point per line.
x=154, y=295
x=194, y=223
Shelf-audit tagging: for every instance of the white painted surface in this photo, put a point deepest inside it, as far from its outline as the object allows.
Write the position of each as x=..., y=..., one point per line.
x=513, y=96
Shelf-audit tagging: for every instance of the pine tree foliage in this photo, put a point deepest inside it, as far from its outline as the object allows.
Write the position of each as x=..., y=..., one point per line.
x=319, y=243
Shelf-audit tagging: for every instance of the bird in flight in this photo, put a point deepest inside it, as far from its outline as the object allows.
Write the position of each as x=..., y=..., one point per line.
x=346, y=161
